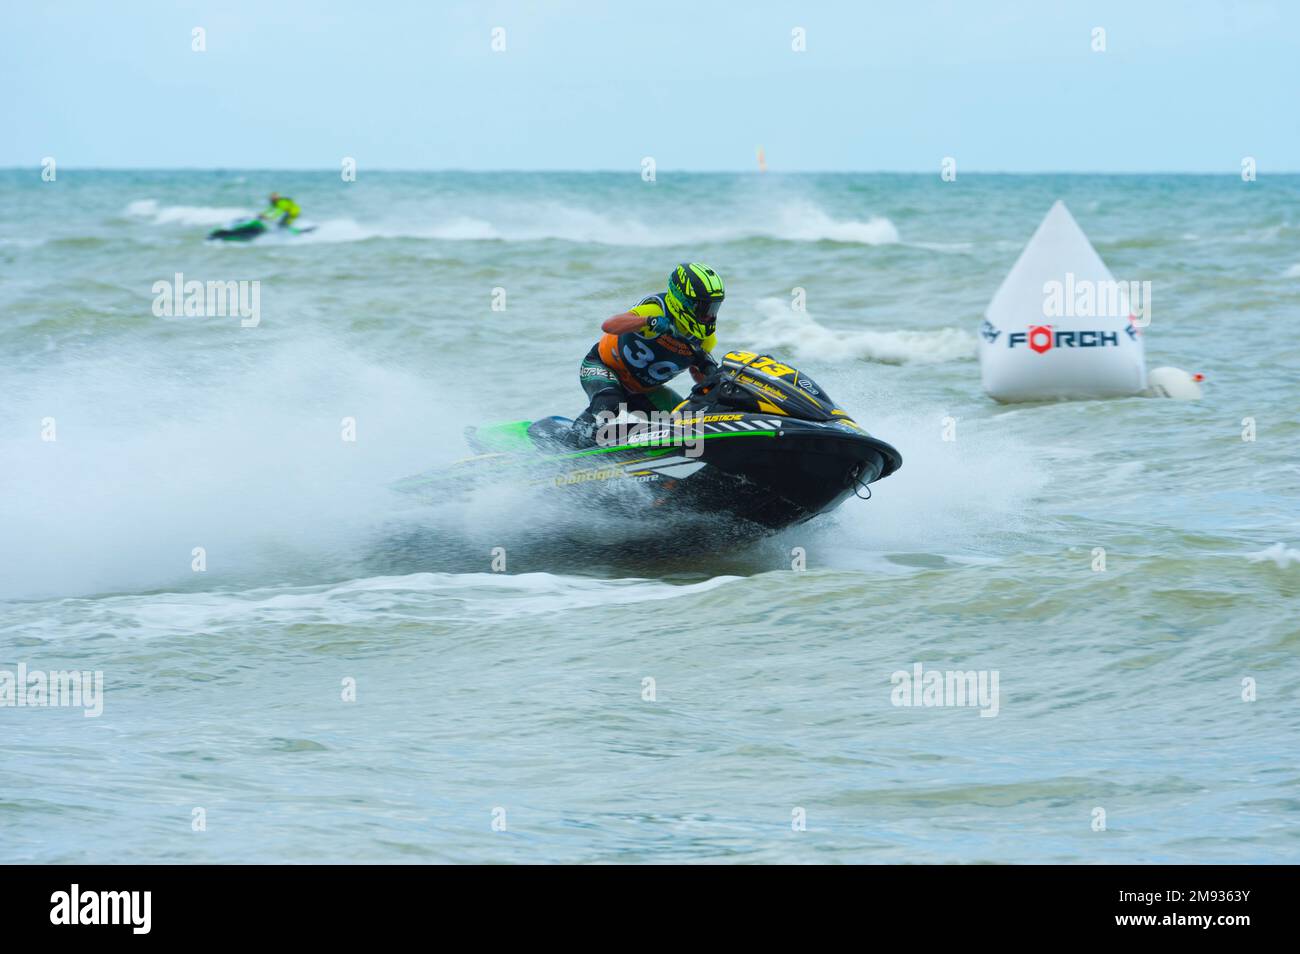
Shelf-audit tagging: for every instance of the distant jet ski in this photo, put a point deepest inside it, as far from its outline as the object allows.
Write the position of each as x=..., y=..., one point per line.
x=246, y=230
x=756, y=441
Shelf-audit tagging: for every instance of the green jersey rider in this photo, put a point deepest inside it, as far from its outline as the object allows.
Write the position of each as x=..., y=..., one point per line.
x=646, y=347
x=283, y=208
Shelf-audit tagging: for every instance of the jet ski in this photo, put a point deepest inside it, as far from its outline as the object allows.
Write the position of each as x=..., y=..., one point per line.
x=756, y=441
x=246, y=230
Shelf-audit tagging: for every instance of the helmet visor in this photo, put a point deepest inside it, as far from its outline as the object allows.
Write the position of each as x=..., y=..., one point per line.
x=707, y=311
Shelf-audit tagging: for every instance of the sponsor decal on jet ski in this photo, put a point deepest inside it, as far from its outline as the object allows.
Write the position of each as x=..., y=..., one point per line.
x=599, y=474
x=775, y=393
x=624, y=428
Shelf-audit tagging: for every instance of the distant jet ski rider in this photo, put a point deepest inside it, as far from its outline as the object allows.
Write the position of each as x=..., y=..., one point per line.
x=283, y=208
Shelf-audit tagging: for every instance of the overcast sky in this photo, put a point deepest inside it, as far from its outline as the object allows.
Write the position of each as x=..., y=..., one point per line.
x=1003, y=85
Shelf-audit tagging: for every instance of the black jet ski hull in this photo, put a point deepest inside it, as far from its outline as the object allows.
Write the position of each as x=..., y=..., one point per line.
x=757, y=443
x=254, y=229
x=757, y=469
x=793, y=476
x=241, y=232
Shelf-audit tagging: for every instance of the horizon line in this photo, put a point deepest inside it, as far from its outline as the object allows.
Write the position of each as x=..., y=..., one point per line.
x=633, y=171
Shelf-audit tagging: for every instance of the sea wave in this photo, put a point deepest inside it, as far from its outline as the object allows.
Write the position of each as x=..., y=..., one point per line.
x=798, y=334
x=553, y=222
x=802, y=222
x=1279, y=554
x=183, y=214
x=359, y=602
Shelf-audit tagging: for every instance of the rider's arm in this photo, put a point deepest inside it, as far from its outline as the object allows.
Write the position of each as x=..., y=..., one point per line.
x=703, y=363
x=645, y=317
x=622, y=324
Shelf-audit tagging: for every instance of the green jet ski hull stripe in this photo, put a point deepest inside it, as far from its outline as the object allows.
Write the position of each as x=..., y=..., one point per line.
x=411, y=483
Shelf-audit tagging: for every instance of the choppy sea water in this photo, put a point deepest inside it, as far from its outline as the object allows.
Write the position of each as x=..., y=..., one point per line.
x=507, y=716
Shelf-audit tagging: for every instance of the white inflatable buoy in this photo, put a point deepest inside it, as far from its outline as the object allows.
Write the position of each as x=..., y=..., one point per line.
x=1060, y=325
x=1174, y=383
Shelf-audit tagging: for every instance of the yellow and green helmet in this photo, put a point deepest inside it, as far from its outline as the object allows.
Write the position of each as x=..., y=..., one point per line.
x=695, y=292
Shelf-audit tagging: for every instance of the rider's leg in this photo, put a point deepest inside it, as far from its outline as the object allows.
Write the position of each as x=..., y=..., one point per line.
x=604, y=393
x=663, y=398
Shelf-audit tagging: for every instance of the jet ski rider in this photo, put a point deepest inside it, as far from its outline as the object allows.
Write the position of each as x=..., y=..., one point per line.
x=282, y=207
x=646, y=347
